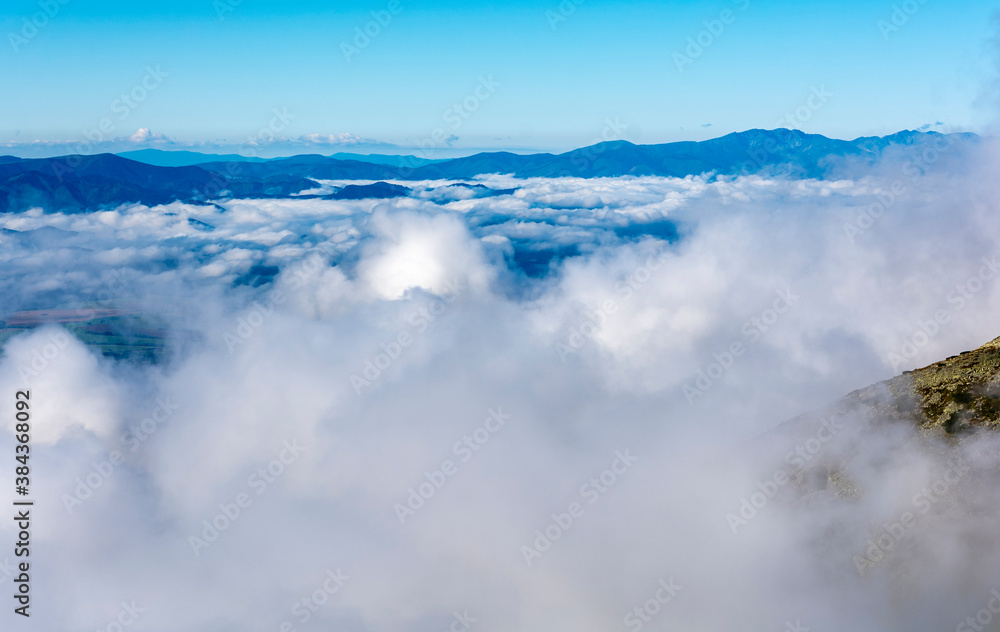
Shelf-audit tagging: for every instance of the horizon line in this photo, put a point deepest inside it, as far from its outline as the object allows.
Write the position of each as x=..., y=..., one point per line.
x=461, y=152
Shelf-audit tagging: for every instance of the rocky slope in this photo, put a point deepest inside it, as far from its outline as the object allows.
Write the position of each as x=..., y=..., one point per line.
x=954, y=395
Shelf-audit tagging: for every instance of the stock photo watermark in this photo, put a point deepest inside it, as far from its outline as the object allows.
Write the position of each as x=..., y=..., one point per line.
x=957, y=300
x=252, y=319
x=392, y=349
x=454, y=116
x=798, y=458
x=637, y=618
x=31, y=25
x=593, y=320
x=561, y=13
x=306, y=608
x=260, y=311
x=126, y=103
x=591, y=492
x=267, y=134
x=701, y=41
x=136, y=435
x=901, y=14
x=984, y=617
x=891, y=533
x=364, y=35
x=224, y=7
x=126, y=618
x=258, y=482
x=465, y=448
x=753, y=330
x=43, y=356
x=785, y=130
x=930, y=154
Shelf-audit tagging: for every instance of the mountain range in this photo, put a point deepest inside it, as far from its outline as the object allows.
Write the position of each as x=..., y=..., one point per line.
x=81, y=183
x=161, y=158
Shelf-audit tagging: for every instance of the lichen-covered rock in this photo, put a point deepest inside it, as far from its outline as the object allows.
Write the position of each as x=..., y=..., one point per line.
x=955, y=394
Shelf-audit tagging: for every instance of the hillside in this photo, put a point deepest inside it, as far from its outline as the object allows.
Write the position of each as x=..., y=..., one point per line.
x=957, y=394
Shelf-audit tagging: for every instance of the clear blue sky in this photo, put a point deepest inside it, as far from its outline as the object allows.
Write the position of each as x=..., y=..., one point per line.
x=558, y=82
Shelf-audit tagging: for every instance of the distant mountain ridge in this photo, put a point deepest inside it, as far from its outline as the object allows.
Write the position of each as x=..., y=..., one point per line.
x=78, y=183
x=162, y=158
x=791, y=152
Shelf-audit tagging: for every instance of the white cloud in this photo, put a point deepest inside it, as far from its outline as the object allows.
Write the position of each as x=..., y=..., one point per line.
x=72, y=390
x=436, y=254
x=344, y=139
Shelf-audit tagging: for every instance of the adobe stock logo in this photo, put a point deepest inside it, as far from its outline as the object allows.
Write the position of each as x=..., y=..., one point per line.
x=753, y=330
x=41, y=357
x=394, y=348
x=799, y=459
x=127, y=617
x=927, y=329
x=592, y=491
x=364, y=36
x=464, y=448
x=306, y=607
x=704, y=39
x=31, y=26
x=901, y=14
x=252, y=320
x=640, y=615
x=885, y=539
x=982, y=618
x=562, y=13
x=259, y=481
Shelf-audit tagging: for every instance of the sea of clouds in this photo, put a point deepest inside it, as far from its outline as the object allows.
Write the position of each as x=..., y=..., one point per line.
x=372, y=418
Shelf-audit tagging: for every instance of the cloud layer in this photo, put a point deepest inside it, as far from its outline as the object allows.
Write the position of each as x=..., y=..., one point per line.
x=533, y=411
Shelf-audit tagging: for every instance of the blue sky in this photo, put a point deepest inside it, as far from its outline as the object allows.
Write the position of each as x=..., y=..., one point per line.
x=549, y=75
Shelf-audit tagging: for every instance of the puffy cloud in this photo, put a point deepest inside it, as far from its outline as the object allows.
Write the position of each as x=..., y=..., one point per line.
x=73, y=391
x=436, y=254
x=345, y=139
x=144, y=136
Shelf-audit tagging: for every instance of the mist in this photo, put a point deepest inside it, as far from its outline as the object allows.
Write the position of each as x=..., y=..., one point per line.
x=555, y=408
